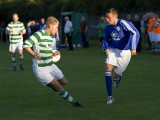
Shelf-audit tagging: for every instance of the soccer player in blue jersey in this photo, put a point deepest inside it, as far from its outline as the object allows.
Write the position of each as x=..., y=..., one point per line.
x=120, y=42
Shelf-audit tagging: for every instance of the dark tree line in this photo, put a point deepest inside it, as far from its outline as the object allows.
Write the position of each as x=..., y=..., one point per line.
x=35, y=9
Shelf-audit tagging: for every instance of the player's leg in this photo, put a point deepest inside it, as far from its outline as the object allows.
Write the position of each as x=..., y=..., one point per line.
x=122, y=63
x=14, y=61
x=152, y=37
x=70, y=44
x=56, y=85
x=63, y=81
x=100, y=40
x=117, y=79
x=111, y=62
x=12, y=50
x=20, y=51
x=108, y=80
x=57, y=80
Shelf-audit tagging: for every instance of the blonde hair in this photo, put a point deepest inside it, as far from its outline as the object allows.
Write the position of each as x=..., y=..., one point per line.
x=52, y=21
x=113, y=11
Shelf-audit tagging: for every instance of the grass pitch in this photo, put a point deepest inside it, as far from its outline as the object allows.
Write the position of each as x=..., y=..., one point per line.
x=22, y=97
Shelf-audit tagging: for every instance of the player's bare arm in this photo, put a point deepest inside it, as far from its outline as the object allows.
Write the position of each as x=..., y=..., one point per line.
x=31, y=52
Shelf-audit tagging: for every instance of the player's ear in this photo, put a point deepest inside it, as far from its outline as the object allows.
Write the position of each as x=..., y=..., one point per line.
x=49, y=26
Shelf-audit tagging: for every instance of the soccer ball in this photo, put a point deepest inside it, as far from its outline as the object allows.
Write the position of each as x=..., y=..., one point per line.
x=74, y=46
x=57, y=57
x=78, y=45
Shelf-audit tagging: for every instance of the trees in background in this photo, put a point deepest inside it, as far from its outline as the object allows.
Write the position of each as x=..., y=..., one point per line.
x=34, y=9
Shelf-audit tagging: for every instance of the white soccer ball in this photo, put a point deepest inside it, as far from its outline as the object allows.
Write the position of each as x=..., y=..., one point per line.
x=74, y=46
x=56, y=58
x=78, y=45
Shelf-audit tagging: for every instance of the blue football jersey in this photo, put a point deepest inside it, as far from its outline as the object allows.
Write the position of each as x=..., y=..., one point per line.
x=123, y=36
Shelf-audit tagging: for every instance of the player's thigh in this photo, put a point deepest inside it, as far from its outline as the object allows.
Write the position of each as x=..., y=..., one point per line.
x=154, y=37
x=20, y=48
x=56, y=72
x=43, y=75
x=109, y=67
x=157, y=38
x=111, y=58
x=13, y=48
x=63, y=81
x=123, y=61
x=56, y=85
x=151, y=36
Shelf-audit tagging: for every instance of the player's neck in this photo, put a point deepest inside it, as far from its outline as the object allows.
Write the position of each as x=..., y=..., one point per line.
x=116, y=21
x=15, y=22
x=48, y=31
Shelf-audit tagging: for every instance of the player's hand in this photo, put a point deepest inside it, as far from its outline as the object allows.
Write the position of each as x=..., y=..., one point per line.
x=56, y=53
x=107, y=51
x=10, y=30
x=21, y=33
x=37, y=56
x=133, y=52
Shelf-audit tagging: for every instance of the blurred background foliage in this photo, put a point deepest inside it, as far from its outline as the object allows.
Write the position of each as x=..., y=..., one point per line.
x=35, y=9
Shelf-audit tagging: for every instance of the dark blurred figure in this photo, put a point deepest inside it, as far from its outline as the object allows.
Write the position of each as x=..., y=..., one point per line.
x=144, y=25
x=137, y=24
x=83, y=29
x=2, y=30
x=34, y=26
x=129, y=18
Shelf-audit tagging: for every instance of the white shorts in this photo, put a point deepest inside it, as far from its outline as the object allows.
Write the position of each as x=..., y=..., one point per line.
x=46, y=74
x=15, y=47
x=119, y=58
x=151, y=36
x=157, y=37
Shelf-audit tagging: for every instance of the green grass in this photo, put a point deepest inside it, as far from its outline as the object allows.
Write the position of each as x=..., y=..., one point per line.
x=22, y=97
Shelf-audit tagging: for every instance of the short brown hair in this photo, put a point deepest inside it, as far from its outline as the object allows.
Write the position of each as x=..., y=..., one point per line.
x=52, y=21
x=113, y=11
x=15, y=14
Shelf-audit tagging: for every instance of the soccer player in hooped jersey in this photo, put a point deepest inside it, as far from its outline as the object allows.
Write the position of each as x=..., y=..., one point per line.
x=120, y=42
x=15, y=30
x=45, y=70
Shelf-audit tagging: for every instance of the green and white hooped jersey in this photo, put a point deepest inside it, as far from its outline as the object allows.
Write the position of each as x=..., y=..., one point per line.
x=15, y=37
x=43, y=44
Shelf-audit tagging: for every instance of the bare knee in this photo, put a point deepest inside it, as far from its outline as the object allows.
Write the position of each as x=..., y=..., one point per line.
x=55, y=85
x=20, y=52
x=63, y=81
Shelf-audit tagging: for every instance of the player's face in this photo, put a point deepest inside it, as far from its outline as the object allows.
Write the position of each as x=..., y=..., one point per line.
x=53, y=29
x=15, y=17
x=111, y=18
